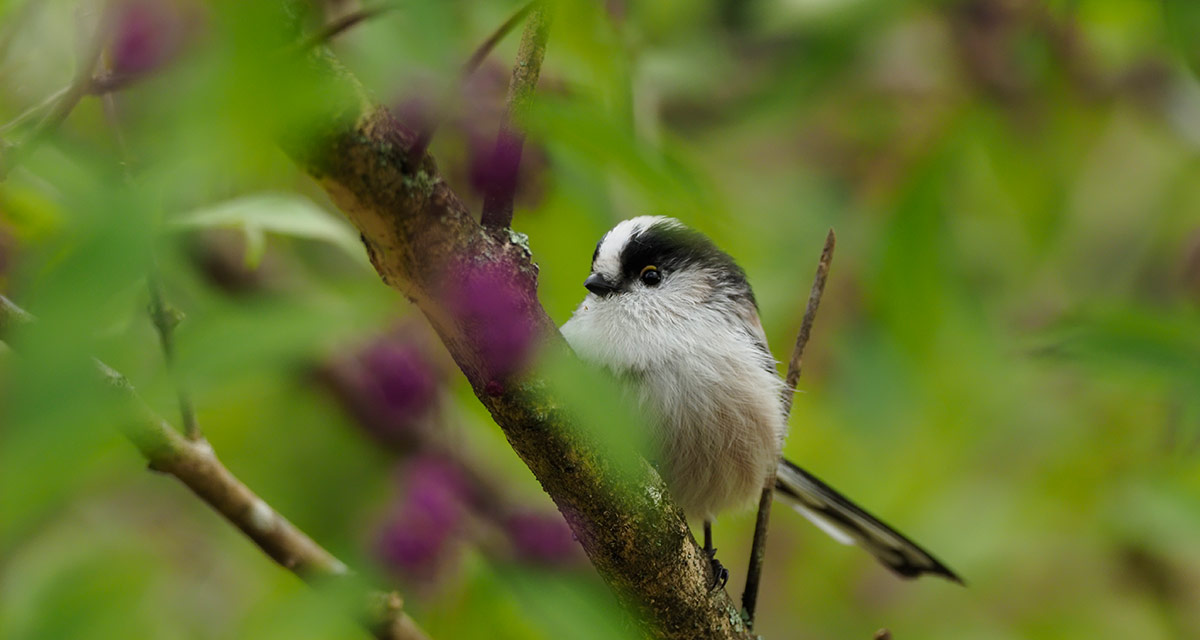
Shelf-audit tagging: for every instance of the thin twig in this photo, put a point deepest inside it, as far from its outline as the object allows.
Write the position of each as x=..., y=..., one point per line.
x=806, y=325
x=100, y=85
x=425, y=135
x=195, y=464
x=341, y=25
x=165, y=318
x=506, y=158
x=36, y=109
x=59, y=108
x=758, y=547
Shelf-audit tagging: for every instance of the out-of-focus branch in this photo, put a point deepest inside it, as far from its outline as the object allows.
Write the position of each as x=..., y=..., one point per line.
x=506, y=158
x=165, y=318
x=58, y=109
x=758, y=548
x=420, y=236
x=341, y=25
x=195, y=464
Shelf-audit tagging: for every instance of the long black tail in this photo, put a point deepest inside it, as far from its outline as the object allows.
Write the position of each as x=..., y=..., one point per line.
x=848, y=523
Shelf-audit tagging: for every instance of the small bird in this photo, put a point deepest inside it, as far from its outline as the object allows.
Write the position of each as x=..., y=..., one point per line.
x=673, y=316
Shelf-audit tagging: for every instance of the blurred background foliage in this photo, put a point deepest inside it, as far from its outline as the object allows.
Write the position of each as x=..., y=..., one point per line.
x=1006, y=365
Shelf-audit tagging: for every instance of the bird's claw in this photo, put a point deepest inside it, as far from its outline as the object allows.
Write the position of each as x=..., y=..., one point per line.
x=719, y=573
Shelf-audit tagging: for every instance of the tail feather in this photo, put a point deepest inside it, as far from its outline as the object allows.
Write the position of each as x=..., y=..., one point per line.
x=848, y=523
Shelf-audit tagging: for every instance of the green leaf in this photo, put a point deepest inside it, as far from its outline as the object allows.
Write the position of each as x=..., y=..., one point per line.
x=277, y=213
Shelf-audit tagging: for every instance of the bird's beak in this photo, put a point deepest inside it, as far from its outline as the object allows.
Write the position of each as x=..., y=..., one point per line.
x=599, y=286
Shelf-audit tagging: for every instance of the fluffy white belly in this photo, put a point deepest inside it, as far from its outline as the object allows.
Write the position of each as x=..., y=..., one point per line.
x=718, y=431
x=712, y=399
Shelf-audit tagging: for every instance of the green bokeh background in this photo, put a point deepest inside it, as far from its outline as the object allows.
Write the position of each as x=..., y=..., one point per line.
x=1006, y=365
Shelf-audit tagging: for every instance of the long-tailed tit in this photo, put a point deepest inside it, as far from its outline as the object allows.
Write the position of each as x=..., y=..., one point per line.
x=673, y=315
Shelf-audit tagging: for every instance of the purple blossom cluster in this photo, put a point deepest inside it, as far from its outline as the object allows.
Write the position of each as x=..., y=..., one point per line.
x=393, y=388
x=425, y=527
x=149, y=34
x=444, y=505
x=490, y=303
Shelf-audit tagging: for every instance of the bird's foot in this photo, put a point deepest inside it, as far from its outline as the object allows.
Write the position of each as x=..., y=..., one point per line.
x=719, y=573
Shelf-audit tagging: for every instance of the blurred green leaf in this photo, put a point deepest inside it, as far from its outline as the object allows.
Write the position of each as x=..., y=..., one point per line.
x=277, y=213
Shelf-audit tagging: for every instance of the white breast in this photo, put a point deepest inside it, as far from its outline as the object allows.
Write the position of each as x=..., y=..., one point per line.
x=698, y=372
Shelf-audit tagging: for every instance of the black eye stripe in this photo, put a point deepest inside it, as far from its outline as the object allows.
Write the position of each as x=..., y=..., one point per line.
x=671, y=247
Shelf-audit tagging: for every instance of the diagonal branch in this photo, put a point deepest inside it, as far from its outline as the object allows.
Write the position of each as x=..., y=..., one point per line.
x=506, y=158
x=758, y=548
x=416, y=230
x=59, y=106
x=195, y=464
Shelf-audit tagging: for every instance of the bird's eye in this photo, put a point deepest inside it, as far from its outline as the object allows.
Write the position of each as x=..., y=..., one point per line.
x=650, y=275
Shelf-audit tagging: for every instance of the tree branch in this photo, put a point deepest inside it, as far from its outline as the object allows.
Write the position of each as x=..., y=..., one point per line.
x=506, y=158
x=195, y=464
x=418, y=232
x=758, y=548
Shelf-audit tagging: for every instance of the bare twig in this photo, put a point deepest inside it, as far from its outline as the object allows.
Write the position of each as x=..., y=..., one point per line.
x=425, y=134
x=165, y=318
x=40, y=107
x=758, y=547
x=101, y=84
x=758, y=551
x=810, y=315
x=195, y=464
x=506, y=158
x=341, y=25
x=481, y=52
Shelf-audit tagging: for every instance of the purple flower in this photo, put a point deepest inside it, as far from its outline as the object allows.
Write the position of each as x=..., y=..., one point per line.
x=422, y=533
x=391, y=387
x=147, y=34
x=542, y=538
x=401, y=379
x=495, y=313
